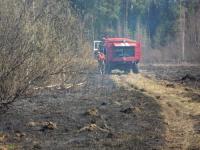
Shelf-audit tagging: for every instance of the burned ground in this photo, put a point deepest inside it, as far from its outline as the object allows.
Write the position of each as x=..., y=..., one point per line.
x=187, y=75
x=108, y=112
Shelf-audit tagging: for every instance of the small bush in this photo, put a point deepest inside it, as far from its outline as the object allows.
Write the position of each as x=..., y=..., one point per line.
x=38, y=39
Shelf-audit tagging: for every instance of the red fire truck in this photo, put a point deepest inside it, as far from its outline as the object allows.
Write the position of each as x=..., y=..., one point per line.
x=121, y=53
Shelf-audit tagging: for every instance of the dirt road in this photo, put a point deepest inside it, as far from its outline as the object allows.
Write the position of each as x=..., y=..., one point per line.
x=152, y=110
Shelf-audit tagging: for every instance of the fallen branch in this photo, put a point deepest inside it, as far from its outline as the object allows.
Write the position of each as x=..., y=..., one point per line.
x=93, y=127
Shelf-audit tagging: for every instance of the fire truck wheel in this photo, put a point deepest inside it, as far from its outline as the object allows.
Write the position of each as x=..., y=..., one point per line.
x=135, y=68
x=107, y=69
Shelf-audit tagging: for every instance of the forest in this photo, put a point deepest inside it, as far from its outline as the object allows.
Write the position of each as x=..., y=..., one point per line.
x=163, y=26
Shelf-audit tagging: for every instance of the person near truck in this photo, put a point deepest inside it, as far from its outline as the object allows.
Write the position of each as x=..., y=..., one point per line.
x=101, y=60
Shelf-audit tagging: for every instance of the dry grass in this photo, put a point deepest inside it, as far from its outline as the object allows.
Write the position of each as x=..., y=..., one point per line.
x=176, y=108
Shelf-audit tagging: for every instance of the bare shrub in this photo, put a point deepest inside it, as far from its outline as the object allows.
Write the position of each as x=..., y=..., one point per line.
x=38, y=39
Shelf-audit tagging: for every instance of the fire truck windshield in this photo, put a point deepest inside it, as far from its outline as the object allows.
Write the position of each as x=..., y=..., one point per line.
x=123, y=52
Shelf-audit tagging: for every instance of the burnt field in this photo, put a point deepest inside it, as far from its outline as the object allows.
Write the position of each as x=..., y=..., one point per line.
x=157, y=109
x=187, y=75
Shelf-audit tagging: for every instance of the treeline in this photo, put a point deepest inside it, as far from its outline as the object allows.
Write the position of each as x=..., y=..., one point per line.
x=122, y=17
x=158, y=23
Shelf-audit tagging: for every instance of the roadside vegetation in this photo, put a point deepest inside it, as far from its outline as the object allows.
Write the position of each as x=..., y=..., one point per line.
x=40, y=42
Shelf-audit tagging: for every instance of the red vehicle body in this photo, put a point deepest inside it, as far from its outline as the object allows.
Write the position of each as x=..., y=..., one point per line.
x=121, y=53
